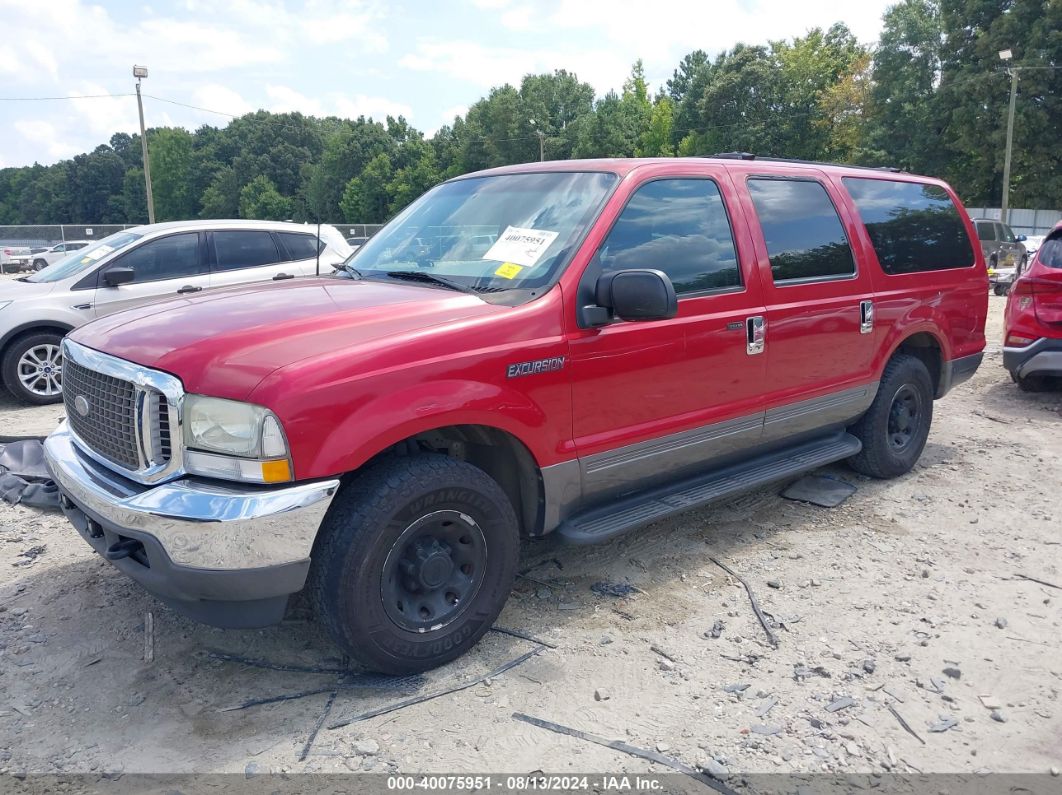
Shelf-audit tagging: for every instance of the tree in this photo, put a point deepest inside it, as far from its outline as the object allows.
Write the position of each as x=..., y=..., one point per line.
x=366, y=198
x=171, y=152
x=261, y=200
x=221, y=199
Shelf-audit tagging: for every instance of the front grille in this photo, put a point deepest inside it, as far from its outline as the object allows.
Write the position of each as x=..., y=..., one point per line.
x=109, y=424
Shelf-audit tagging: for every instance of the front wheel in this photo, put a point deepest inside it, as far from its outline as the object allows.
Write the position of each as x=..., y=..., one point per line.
x=895, y=428
x=999, y=289
x=32, y=368
x=39, y=264
x=414, y=562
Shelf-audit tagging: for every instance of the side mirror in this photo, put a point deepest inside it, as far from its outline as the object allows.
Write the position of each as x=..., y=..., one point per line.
x=115, y=276
x=637, y=294
x=1022, y=238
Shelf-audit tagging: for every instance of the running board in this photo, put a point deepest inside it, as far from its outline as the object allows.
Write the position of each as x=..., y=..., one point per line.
x=627, y=513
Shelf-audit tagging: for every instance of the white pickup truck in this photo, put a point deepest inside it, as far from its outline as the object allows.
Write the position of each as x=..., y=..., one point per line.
x=43, y=259
x=14, y=259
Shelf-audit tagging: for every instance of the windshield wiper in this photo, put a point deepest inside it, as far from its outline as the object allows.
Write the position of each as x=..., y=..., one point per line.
x=350, y=269
x=429, y=278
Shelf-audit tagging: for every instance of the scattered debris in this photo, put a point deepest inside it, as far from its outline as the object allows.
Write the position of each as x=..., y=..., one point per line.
x=752, y=598
x=523, y=636
x=633, y=750
x=1001, y=623
x=716, y=630
x=774, y=584
x=820, y=490
x=29, y=556
x=998, y=716
x=906, y=726
x=366, y=747
x=149, y=637
x=802, y=672
x=372, y=713
x=844, y=702
x=953, y=673
x=902, y=657
x=317, y=726
x=616, y=589
x=869, y=666
x=946, y=722
x=767, y=730
x=1042, y=582
x=663, y=653
x=991, y=702
x=738, y=688
x=665, y=665
x=601, y=694
x=766, y=706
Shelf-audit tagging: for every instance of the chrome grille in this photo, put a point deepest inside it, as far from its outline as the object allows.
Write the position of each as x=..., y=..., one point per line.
x=109, y=424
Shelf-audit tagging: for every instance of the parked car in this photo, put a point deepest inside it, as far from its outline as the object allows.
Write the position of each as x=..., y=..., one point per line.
x=50, y=256
x=14, y=259
x=1000, y=246
x=356, y=242
x=137, y=266
x=1032, y=337
x=641, y=338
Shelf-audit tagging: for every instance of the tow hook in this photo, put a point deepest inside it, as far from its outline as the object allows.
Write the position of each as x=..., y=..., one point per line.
x=122, y=549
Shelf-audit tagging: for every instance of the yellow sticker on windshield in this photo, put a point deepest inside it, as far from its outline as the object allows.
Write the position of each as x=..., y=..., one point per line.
x=508, y=270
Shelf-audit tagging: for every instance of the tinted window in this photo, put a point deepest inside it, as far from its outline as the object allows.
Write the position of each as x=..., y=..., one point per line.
x=244, y=249
x=75, y=246
x=300, y=246
x=913, y=227
x=1006, y=234
x=678, y=226
x=166, y=258
x=986, y=230
x=804, y=236
x=1050, y=253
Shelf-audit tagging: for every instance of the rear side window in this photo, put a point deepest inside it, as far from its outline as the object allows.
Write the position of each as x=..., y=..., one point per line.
x=913, y=227
x=804, y=236
x=300, y=246
x=986, y=230
x=678, y=226
x=1050, y=253
x=244, y=249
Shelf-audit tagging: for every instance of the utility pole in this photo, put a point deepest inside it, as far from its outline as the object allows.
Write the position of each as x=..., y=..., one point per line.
x=541, y=145
x=141, y=72
x=1007, y=55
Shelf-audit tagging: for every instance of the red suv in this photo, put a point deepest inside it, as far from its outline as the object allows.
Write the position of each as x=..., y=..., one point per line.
x=1032, y=336
x=577, y=347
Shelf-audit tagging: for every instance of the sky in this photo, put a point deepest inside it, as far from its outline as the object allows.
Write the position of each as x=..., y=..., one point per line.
x=427, y=61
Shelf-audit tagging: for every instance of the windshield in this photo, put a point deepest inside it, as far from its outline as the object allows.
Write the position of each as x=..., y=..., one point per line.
x=488, y=234
x=84, y=258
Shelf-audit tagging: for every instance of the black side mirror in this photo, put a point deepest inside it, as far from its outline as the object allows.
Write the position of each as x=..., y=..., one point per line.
x=115, y=276
x=637, y=294
x=1022, y=238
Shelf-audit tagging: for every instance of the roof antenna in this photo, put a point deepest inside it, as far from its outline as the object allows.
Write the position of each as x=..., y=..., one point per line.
x=318, y=245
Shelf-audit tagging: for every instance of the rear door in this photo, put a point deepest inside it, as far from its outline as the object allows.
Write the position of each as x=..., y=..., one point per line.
x=300, y=249
x=654, y=399
x=164, y=267
x=819, y=341
x=241, y=256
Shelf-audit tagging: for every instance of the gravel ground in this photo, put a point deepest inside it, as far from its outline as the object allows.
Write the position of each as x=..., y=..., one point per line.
x=905, y=598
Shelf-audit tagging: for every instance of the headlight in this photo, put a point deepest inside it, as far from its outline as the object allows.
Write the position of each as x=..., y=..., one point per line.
x=233, y=440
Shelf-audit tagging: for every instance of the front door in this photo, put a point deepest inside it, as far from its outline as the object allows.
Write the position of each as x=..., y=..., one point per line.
x=820, y=343
x=660, y=398
x=165, y=267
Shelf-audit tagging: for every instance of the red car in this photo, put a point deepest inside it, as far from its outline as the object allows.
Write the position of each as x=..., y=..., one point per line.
x=1032, y=336
x=578, y=347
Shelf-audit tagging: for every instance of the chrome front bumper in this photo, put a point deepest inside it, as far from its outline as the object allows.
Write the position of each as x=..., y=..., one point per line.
x=194, y=540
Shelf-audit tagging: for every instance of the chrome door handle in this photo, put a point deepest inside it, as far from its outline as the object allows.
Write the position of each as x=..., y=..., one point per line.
x=189, y=288
x=755, y=335
x=282, y=276
x=866, y=317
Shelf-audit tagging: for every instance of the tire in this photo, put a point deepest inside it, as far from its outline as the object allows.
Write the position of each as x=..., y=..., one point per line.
x=393, y=544
x=22, y=355
x=895, y=427
x=1031, y=383
x=39, y=265
x=999, y=289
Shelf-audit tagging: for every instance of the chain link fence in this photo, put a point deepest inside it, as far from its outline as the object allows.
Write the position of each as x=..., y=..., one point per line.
x=47, y=235
x=1023, y=222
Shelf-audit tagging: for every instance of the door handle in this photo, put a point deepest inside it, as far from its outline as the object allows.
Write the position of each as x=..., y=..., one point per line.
x=866, y=317
x=189, y=288
x=282, y=276
x=81, y=306
x=755, y=335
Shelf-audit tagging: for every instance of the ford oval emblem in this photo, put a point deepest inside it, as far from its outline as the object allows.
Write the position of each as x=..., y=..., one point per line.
x=81, y=405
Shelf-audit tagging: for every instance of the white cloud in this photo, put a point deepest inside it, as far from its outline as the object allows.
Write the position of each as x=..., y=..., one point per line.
x=378, y=108
x=214, y=96
x=104, y=116
x=287, y=99
x=45, y=137
x=519, y=18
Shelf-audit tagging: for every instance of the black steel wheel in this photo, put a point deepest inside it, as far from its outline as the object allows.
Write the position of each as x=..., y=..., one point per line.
x=414, y=562
x=895, y=428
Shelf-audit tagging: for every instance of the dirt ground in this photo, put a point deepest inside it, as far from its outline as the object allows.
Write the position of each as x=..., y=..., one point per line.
x=903, y=598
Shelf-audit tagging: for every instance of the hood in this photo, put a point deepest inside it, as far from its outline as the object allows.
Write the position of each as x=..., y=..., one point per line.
x=14, y=290
x=225, y=342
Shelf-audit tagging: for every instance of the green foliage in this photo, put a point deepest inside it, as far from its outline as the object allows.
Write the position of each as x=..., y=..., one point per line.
x=260, y=199
x=930, y=97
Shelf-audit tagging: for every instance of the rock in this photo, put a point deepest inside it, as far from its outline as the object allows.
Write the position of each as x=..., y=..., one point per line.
x=1001, y=623
x=720, y=771
x=991, y=702
x=844, y=702
x=665, y=664
x=1054, y=771
x=851, y=748
x=869, y=665
x=773, y=584
x=250, y=770
x=953, y=673
x=998, y=716
x=902, y=657
x=663, y=748
x=605, y=640
x=601, y=694
x=716, y=630
x=736, y=688
x=815, y=583
x=946, y=722
x=768, y=730
x=366, y=747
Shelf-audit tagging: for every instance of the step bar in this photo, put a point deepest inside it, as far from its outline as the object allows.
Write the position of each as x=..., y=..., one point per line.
x=627, y=513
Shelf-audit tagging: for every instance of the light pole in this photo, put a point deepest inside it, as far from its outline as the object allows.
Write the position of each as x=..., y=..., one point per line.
x=541, y=141
x=140, y=72
x=1006, y=56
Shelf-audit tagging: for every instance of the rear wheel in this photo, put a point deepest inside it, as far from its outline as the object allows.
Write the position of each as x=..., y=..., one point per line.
x=32, y=368
x=414, y=562
x=1031, y=383
x=999, y=289
x=39, y=264
x=895, y=428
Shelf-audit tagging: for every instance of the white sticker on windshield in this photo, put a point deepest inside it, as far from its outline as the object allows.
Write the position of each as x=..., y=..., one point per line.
x=521, y=246
x=98, y=252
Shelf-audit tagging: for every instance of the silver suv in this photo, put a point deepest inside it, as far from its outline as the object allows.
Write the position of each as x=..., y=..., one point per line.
x=137, y=266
